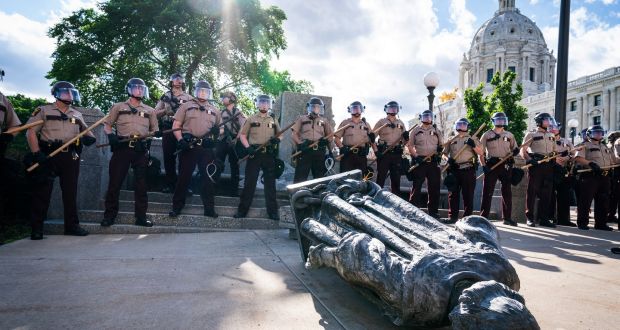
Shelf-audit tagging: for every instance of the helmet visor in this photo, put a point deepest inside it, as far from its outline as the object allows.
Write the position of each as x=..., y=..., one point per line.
x=138, y=91
x=426, y=117
x=317, y=109
x=461, y=126
x=203, y=93
x=356, y=109
x=68, y=94
x=554, y=128
x=500, y=121
x=597, y=133
x=263, y=103
x=392, y=109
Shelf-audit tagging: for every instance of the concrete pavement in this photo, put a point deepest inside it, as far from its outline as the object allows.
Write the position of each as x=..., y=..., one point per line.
x=256, y=279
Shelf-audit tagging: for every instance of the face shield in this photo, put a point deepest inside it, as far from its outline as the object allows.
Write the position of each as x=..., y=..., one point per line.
x=500, y=121
x=461, y=126
x=392, y=110
x=138, y=91
x=176, y=80
x=69, y=95
x=263, y=104
x=203, y=93
x=356, y=109
x=596, y=134
x=426, y=118
x=554, y=128
x=317, y=109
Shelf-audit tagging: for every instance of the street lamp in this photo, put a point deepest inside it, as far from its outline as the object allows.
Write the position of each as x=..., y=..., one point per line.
x=573, y=124
x=431, y=80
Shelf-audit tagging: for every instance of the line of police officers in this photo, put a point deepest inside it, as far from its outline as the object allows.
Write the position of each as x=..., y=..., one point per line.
x=204, y=136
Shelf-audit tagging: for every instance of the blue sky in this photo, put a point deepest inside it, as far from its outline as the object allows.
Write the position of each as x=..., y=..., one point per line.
x=381, y=55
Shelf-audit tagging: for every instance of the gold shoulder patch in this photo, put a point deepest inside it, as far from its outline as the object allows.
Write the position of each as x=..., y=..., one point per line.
x=36, y=112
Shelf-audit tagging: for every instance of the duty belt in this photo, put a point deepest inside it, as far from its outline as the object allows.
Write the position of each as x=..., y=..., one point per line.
x=263, y=150
x=201, y=142
x=132, y=143
x=49, y=146
x=359, y=149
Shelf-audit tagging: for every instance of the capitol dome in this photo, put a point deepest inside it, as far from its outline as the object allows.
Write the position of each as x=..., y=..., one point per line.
x=509, y=41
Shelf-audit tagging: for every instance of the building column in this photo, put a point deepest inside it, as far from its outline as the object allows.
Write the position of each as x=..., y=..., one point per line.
x=582, y=111
x=613, y=122
x=605, y=107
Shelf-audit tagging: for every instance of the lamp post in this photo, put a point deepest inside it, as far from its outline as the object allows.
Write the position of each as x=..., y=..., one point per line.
x=431, y=80
x=573, y=124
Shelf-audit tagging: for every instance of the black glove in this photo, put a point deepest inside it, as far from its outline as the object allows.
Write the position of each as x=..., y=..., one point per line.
x=564, y=153
x=274, y=140
x=406, y=135
x=470, y=142
x=6, y=138
x=344, y=150
x=158, y=134
x=372, y=137
x=250, y=150
x=451, y=162
x=304, y=145
x=532, y=162
x=485, y=169
x=112, y=139
x=182, y=144
x=39, y=157
x=392, y=125
x=88, y=140
x=439, y=149
x=595, y=168
x=379, y=154
x=323, y=142
x=215, y=131
x=515, y=151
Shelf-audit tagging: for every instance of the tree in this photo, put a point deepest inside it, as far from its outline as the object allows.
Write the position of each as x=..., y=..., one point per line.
x=24, y=106
x=505, y=99
x=229, y=43
x=476, y=103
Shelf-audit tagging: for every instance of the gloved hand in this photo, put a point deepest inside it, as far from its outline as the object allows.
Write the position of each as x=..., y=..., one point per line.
x=158, y=134
x=39, y=157
x=251, y=150
x=406, y=135
x=486, y=169
x=439, y=149
x=564, y=153
x=515, y=151
x=323, y=142
x=451, y=162
x=112, y=139
x=532, y=162
x=470, y=142
x=88, y=140
x=379, y=154
x=595, y=168
x=304, y=146
x=215, y=131
x=372, y=137
x=274, y=140
x=344, y=150
x=6, y=138
x=182, y=144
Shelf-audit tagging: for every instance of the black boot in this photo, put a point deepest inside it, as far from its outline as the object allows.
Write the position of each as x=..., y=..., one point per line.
x=449, y=221
x=36, y=235
x=210, y=213
x=107, y=222
x=530, y=223
x=546, y=223
x=174, y=213
x=240, y=214
x=143, y=222
x=510, y=223
x=76, y=231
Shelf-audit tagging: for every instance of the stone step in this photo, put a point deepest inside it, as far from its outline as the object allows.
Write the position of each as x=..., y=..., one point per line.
x=184, y=220
x=194, y=209
x=56, y=227
x=158, y=197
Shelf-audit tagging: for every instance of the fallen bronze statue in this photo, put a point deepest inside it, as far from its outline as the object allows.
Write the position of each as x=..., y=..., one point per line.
x=420, y=272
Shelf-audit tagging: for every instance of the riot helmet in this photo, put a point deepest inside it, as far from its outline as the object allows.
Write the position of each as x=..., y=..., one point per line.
x=136, y=88
x=66, y=93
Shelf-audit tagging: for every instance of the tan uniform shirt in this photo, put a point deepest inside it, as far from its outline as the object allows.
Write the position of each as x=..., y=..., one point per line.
x=457, y=143
x=311, y=128
x=259, y=129
x=598, y=153
x=234, y=125
x=497, y=145
x=617, y=149
x=425, y=140
x=8, y=117
x=357, y=134
x=563, y=144
x=196, y=121
x=56, y=124
x=542, y=142
x=389, y=135
x=163, y=107
x=140, y=123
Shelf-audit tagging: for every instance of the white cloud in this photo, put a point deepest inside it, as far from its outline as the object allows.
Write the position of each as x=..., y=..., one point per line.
x=533, y=2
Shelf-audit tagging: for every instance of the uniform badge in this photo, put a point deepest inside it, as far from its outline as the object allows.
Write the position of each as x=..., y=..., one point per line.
x=142, y=114
x=505, y=139
x=35, y=112
x=270, y=124
x=72, y=120
x=321, y=123
x=432, y=133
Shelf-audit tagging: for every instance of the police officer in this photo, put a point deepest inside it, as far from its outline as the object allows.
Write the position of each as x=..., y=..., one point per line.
x=425, y=147
x=498, y=143
x=165, y=110
x=256, y=131
x=463, y=168
x=595, y=184
x=391, y=136
x=61, y=123
x=537, y=145
x=308, y=129
x=613, y=142
x=8, y=119
x=132, y=119
x=199, y=121
x=357, y=133
x=228, y=137
x=562, y=187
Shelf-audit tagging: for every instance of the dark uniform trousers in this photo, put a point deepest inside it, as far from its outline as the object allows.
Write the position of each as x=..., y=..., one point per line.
x=390, y=162
x=593, y=187
x=430, y=172
x=266, y=163
x=351, y=161
x=311, y=160
x=488, y=187
x=560, y=198
x=121, y=159
x=169, y=146
x=540, y=184
x=188, y=159
x=465, y=185
x=67, y=169
x=222, y=150
x=614, y=198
